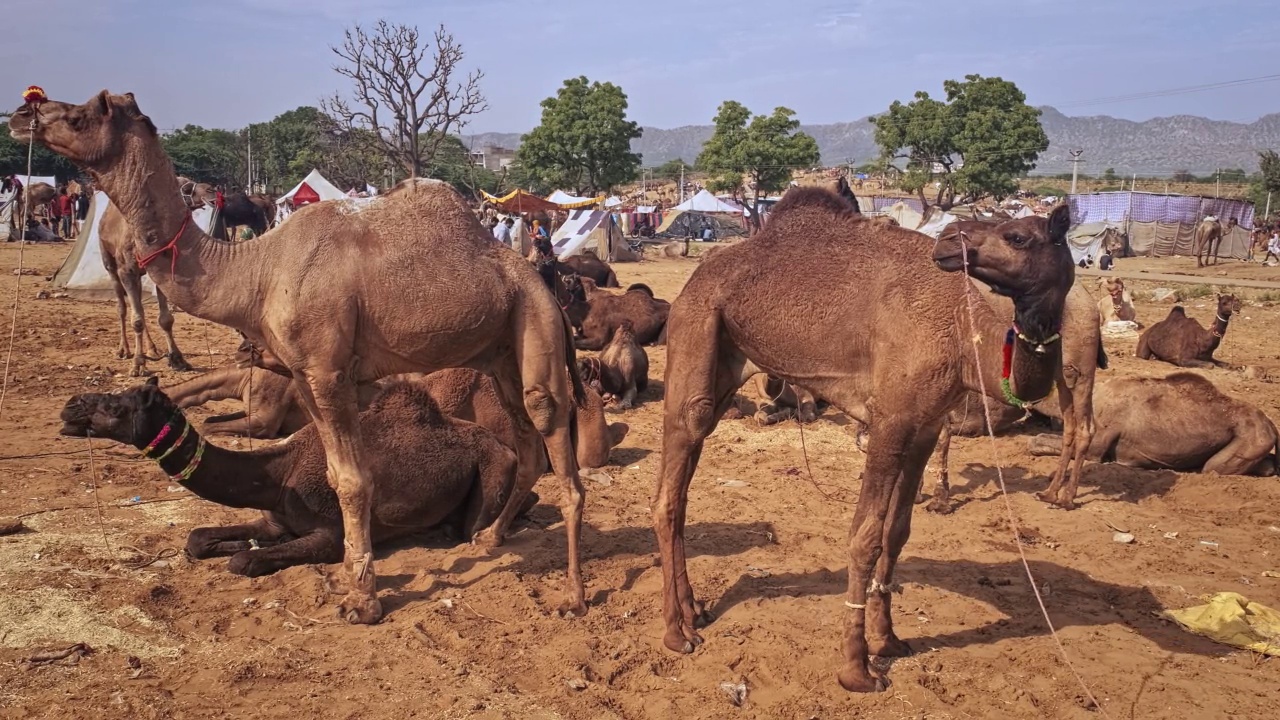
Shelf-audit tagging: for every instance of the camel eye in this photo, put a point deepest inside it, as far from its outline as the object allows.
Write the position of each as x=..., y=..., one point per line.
x=1015, y=239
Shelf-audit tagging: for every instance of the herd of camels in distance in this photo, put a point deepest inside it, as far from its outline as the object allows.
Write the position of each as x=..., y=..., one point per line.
x=448, y=414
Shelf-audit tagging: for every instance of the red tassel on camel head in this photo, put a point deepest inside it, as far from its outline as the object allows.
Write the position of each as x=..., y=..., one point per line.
x=35, y=95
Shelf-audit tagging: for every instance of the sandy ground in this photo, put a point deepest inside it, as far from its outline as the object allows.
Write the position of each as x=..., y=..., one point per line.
x=188, y=640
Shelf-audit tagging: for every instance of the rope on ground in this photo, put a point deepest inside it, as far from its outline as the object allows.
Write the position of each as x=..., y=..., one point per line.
x=97, y=502
x=971, y=298
x=17, y=283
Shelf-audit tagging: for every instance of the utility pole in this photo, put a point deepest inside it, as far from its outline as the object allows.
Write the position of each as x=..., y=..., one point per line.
x=682, y=182
x=1075, y=167
x=249, y=136
x=1218, y=192
x=1267, y=213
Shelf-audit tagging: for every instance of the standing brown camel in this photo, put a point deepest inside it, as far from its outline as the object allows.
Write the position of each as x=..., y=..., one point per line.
x=896, y=355
x=1183, y=341
x=1208, y=236
x=339, y=296
x=115, y=238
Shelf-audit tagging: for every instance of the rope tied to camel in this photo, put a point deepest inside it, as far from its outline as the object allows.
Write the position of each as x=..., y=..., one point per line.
x=171, y=246
x=1006, y=367
x=192, y=465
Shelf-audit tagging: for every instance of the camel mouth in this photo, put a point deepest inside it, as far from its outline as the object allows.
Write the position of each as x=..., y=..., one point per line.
x=952, y=263
x=75, y=429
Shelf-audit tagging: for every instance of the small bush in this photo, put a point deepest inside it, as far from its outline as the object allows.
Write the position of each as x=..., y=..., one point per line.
x=1196, y=291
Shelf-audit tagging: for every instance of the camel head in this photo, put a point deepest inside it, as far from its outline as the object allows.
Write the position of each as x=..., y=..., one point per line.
x=1027, y=256
x=1113, y=287
x=133, y=417
x=1227, y=305
x=92, y=135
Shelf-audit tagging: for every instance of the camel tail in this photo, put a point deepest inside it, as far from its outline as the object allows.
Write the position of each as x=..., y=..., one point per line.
x=1102, y=355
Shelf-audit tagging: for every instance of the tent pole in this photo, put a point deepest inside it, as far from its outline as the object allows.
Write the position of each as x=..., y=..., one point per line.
x=1267, y=213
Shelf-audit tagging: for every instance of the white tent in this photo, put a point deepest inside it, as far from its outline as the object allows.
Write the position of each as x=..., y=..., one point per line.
x=313, y=188
x=594, y=230
x=561, y=197
x=905, y=215
x=937, y=221
x=704, y=201
x=29, y=180
x=83, y=276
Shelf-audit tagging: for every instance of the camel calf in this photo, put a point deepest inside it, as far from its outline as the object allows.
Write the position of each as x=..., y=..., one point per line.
x=1159, y=423
x=624, y=366
x=430, y=470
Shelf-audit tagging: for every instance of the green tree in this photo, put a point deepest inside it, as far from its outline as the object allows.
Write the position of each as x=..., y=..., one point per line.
x=13, y=159
x=204, y=155
x=762, y=150
x=290, y=145
x=453, y=165
x=584, y=141
x=672, y=169
x=1109, y=176
x=1266, y=183
x=976, y=144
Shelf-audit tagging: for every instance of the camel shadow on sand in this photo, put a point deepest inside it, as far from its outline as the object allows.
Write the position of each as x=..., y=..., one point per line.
x=540, y=553
x=1097, y=482
x=1075, y=600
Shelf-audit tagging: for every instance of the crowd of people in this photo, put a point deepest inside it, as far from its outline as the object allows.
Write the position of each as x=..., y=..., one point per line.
x=61, y=217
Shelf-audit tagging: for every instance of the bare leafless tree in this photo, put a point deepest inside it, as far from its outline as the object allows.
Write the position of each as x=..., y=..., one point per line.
x=408, y=94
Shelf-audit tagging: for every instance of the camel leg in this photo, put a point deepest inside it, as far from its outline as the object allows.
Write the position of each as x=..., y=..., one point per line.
x=1194, y=363
x=260, y=425
x=176, y=361
x=133, y=289
x=529, y=452
x=696, y=397
x=209, y=542
x=941, y=502
x=1080, y=407
x=330, y=397
x=897, y=528
x=537, y=381
x=122, y=307
x=887, y=451
x=1237, y=458
x=494, y=478
x=321, y=546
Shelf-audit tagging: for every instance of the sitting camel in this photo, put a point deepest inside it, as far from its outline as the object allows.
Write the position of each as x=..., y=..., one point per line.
x=273, y=409
x=430, y=470
x=624, y=366
x=1117, y=305
x=588, y=265
x=676, y=248
x=1159, y=423
x=1183, y=341
x=1208, y=237
x=895, y=355
x=783, y=401
x=605, y=311
x=325, y=293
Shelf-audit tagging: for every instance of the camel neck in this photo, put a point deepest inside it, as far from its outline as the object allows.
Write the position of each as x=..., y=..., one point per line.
x=208, y=278
x=1034, y=358
x=234, y=479
x=1219, y=328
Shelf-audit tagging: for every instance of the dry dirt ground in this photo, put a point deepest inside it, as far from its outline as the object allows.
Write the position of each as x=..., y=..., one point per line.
x=471, y=635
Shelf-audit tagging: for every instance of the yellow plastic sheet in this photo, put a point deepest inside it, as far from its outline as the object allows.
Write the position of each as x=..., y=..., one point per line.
x=1231, y=619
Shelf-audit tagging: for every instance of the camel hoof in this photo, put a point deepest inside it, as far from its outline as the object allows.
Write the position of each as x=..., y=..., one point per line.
x=856, y=679
x=245, y=563
x=179, y=363
x=1065, y=504
x=733, y=413
x=940, y=506
x=572, y=609
x=123, y=353
x=677, y=642
x=488, y=538
x=701, y=618
x=890, y=647
x=360, y=609
x=138, y=371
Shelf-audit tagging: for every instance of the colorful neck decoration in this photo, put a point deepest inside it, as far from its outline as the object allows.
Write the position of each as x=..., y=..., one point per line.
x=186, y=473
x=1006, y=368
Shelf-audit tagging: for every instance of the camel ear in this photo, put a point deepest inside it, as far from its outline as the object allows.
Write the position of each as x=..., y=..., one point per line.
x=132, y=110
x=1059, y=224
x=102, y=103
x=152, y=381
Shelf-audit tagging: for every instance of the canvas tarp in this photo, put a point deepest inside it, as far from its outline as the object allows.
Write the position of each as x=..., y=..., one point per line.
x=82, y=275
x=704, y=201
x=573, y=202
x=313, y=188
x=592, y=230
x=936, y=223
x=1141, y=207
x=903, y=214
x=519, y=201
x=1158, y=239
x=1090, y=239
x=29, y=180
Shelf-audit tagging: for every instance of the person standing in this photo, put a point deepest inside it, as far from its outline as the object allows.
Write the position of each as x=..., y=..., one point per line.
x=502, y=232
x=55, y=210
x=82, y=209
x=66, y=211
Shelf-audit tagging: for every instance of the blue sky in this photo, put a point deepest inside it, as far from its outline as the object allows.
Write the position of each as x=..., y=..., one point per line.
x=225, y=63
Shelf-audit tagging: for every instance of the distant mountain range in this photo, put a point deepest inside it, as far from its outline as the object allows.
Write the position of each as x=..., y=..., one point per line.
x=1155, y=147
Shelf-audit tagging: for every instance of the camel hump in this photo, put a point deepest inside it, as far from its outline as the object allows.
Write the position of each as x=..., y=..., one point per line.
x=1177, y=311
x=640, y=287
x=406, y=397
x=813, y=199
x=1189, y=381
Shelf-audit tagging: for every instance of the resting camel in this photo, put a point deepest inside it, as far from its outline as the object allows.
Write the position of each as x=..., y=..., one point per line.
x=115, y=239
x=1183, y=341
x=783, y=401
x=1208, y=236
x=624, y=366
x=1117, y=303
x=909, y=343
x=430, y=470
x=588, y=265
x=1159, y=423
x=273, y=409
x=326, y=294
x=605, y=311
